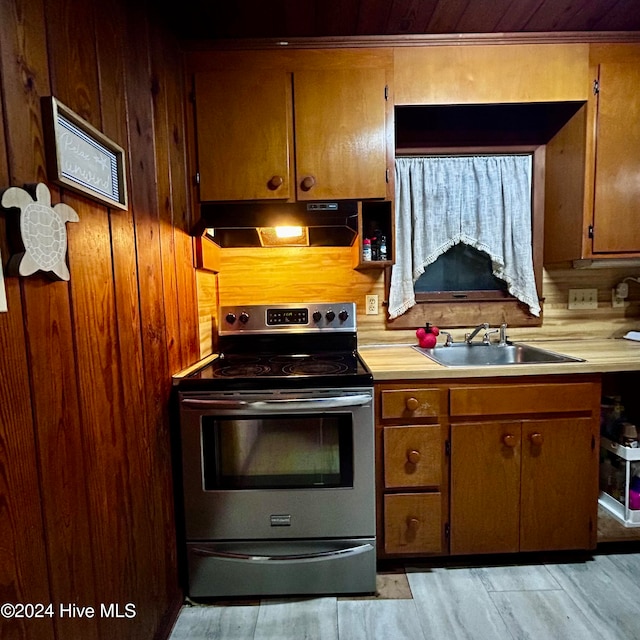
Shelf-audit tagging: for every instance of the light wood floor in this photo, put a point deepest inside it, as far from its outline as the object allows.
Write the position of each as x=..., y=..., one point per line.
x=581, y=597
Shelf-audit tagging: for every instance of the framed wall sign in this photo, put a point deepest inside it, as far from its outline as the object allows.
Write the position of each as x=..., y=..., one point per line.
x=82, y=158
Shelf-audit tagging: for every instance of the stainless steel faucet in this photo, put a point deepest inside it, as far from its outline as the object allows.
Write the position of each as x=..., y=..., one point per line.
x=485, y=338
x=468, y=337
x=449, y=341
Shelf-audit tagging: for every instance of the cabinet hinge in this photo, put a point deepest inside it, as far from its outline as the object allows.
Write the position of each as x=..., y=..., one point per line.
x=446, y=529
x=386, y=91
x=596, y=87
x=591, y=231
x=387, y=174
x=447, y=448
x=196, y=178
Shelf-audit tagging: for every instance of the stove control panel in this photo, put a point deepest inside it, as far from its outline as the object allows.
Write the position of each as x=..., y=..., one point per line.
x=292, y=318
x=287, y=316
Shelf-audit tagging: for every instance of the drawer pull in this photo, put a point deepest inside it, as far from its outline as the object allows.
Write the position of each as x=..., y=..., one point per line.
x=412, y=523
x=413, y=456
x=412, y=403
x=537, y=439
x=509, y=440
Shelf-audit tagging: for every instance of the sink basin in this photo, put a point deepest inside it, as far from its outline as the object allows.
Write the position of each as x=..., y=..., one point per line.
x=477, y=354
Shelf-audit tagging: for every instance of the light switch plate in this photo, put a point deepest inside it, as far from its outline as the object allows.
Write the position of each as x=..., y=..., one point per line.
x=583, y=299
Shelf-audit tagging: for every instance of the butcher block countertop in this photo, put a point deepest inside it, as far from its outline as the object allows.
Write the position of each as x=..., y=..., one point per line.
x=401, y=362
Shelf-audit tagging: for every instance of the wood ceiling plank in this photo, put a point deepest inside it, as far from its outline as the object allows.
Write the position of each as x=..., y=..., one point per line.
x=553, y=15
x=622, y=16
x=516, y=15
x=481, y=17
x=373, y=16
x=337, y=18
x=446, y=16
x=410, y=17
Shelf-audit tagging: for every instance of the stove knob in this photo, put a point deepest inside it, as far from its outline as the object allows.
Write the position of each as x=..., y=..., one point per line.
x=244, y=317
x=343, y=315
x=231, y=318
x=317, y=316
x=330, y=316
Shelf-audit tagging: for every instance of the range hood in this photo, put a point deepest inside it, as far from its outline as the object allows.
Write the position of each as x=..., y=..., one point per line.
x=329, y=224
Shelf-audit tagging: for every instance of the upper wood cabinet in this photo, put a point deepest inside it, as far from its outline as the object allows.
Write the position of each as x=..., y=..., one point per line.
x=244, y=135
x=616, y=223
x=289, y=132
x=593, y=163
x=482, y=74
x=340, y=134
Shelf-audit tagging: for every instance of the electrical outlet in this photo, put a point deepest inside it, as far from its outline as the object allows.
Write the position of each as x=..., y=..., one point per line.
x=583, y=299
x=372, y=305
x=616, y=302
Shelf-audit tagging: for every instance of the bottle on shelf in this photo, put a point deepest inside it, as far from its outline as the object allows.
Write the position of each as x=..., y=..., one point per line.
x=366, y=250
x=383, y=248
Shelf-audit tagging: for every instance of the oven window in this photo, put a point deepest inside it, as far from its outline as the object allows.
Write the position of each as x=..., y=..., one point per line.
x=277, y=452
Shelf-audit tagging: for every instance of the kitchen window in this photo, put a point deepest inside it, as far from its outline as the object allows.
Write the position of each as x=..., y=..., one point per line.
x=468, y=234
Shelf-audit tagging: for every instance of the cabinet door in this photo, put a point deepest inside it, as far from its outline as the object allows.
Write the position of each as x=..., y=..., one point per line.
x=616, y=226
x=340, y=134
x=485, y=487
x=559, y=495
x=244, y=135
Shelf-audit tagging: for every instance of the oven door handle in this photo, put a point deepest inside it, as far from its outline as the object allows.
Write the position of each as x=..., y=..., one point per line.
x=333, y=402
x=305, y=557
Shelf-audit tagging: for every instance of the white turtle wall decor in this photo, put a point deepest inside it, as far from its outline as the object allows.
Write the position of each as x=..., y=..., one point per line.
x=43, y=231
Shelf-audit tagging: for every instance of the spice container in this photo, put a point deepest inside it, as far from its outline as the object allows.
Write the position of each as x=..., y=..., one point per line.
x=366, y=250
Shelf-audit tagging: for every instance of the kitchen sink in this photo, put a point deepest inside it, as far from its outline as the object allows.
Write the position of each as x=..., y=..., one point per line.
x=478, y=354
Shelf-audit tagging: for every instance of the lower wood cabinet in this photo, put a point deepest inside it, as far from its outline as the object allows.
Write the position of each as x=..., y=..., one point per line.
x=522, y=486
x=412, y=470
x=467, y=468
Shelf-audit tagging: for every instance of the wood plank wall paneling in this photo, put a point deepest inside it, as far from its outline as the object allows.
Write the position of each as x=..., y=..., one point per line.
x=24, y=575
x=308, y=274
x=85, y=455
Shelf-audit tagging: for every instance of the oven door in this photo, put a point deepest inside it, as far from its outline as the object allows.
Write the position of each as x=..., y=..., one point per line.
x=278, y=464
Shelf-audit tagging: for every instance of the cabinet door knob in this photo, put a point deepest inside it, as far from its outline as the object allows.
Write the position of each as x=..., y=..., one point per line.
x=536, y=439
x=275, y=182
x=413, y=456
x=412, y=523
x=411, y=403
x=509, y=440
x=307, y=183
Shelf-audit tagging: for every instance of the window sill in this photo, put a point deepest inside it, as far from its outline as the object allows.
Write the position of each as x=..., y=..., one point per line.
x=466, y=313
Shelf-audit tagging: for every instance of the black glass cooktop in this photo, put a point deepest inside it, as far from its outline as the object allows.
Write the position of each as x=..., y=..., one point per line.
x=236, y=371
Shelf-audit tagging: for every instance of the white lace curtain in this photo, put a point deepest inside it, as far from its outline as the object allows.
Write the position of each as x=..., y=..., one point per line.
x=483, y=201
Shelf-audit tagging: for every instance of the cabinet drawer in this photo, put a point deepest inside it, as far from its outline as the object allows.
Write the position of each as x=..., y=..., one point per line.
x=413, y=523
x=412, y=456
x=411, y=403
x=484, y=400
